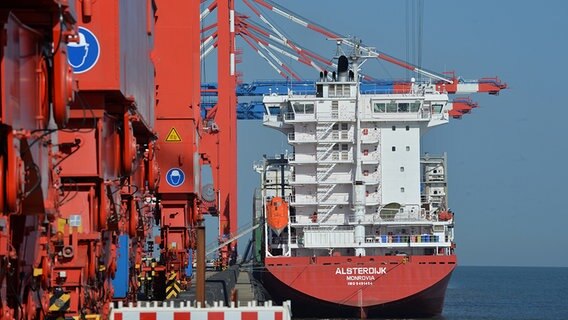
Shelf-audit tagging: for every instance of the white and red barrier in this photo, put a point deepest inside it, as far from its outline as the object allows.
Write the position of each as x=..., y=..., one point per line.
x=186, y=311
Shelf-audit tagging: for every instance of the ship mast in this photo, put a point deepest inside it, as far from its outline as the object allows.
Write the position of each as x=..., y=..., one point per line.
x=359, y=198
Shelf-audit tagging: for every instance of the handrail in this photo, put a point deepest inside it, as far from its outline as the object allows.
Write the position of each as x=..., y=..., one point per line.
x=405, y=238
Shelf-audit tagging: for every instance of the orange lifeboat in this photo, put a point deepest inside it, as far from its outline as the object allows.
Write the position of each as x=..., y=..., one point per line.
x=277, y=214
x=445, y=216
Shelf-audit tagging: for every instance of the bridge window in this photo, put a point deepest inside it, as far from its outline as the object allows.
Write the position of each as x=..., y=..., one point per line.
x=339, y=90
x=437, y=108
x=391, y=107
x=414, y=106
x=396, y=107
x=403, y=107
x=303, y=108
x=379, y=107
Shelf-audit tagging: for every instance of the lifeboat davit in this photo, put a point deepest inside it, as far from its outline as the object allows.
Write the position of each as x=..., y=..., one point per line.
x=277, y=214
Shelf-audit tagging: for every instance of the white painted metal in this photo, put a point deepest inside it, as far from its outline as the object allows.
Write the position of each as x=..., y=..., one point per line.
x=357, y=182
x=154, y=310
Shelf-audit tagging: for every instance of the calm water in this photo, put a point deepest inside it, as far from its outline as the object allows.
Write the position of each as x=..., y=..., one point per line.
x=507, y=293
x=499, y=293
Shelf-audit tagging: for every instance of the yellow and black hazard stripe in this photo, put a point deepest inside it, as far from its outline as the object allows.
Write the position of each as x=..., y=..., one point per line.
x=173, y=287
x=59, y=301
x=87, y=317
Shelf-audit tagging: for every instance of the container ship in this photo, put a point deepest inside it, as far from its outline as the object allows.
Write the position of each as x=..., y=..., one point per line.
x=355, y=221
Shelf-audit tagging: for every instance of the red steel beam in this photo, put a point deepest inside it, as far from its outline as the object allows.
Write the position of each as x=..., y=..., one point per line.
x=178, y=108
x=219, y=145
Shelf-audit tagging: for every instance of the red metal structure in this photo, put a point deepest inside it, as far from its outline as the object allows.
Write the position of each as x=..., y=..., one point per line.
x=102, y=145
x=219, y=146
x=178, y=127
x=91, y=107
x=77, y=184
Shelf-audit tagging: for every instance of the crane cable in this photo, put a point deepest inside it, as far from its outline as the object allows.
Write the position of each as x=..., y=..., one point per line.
x=414, y=26
x=420, y=32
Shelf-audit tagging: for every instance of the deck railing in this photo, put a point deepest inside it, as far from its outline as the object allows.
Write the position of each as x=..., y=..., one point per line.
x=405, y=238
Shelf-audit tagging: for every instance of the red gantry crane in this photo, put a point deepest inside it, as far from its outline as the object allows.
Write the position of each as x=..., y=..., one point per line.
x=102, y=144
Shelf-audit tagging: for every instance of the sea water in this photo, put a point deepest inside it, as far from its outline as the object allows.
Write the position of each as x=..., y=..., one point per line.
x=504, y=293
x=495, y=293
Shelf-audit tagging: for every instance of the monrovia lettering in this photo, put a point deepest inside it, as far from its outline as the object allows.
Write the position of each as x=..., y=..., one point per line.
x=361, y=270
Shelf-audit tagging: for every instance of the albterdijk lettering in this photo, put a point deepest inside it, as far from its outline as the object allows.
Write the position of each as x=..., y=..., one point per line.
x=361, y=271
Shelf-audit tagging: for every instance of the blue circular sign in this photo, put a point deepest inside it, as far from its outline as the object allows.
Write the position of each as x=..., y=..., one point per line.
x=175, y=177
x=83, y=56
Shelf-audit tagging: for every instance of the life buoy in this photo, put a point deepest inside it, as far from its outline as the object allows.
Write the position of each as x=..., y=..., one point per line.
x=365, y=131
x=365, y=152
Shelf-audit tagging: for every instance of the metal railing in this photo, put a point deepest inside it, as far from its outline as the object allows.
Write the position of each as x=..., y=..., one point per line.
x=406, y=238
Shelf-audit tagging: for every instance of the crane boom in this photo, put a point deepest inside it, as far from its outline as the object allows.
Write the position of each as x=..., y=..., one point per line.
x=334, y=35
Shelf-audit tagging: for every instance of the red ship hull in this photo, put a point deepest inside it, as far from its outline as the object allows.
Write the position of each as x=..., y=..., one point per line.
x=368, y=287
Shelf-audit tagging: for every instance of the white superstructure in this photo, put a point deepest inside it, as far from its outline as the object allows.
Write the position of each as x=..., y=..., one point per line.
x=359, y=185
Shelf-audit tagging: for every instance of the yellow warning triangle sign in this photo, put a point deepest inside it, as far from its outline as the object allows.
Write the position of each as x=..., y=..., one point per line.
x=173, y=136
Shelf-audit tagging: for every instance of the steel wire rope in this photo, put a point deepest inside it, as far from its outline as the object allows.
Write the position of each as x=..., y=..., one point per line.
x=407, y=33
x=283, y=35
x=413, y=32
x=286, y=35
x=420, y=33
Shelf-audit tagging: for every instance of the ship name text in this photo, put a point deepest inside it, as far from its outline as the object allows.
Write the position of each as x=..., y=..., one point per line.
x=361, y=271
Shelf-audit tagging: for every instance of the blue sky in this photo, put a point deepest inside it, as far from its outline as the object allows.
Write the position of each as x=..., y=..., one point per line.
x=507, y=160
